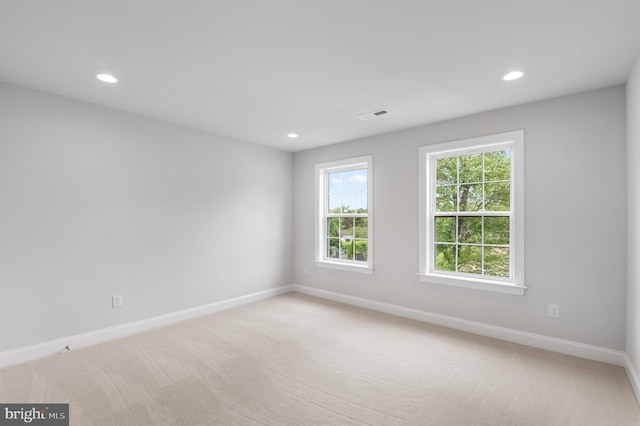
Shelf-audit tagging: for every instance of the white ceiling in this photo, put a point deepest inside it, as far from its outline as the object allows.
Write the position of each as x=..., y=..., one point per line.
x=255, y=70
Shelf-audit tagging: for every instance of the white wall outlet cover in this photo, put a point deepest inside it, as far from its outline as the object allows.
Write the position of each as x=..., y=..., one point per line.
x=116, y=301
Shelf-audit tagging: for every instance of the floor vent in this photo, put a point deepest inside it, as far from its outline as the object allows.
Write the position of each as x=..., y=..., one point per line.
x=374, y=114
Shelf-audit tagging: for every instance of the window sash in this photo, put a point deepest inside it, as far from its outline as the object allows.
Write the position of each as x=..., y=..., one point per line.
x=431, y=261
x=327, y=214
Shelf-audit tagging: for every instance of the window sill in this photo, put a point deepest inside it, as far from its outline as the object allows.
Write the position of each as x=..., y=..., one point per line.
x=363, y=269
x=486, y=285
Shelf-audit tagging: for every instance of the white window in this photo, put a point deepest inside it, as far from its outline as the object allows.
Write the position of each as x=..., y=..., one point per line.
x=472, y=213
x=343, y=215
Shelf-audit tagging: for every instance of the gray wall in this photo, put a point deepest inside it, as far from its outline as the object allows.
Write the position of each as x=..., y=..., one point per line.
x=633, y=214
x=575, y=191
x=96, y=202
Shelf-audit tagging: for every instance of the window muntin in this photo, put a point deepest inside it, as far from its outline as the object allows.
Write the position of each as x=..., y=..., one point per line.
x=471, y=213
x=344, y=217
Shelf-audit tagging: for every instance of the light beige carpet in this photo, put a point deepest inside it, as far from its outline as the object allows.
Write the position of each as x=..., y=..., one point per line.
x=298, y=360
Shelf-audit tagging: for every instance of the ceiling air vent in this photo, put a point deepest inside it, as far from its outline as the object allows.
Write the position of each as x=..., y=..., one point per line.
x=374, y=114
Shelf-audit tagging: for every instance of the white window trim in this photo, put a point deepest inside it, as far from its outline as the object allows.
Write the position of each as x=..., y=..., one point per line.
x=320, y=222
x=516, y=284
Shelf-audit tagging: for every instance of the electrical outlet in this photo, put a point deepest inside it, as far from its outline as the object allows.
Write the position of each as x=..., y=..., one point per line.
x=116, y=301
x=554, y=311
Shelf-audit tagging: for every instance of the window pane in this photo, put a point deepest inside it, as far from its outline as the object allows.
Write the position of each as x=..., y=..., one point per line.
x=362, y=247
x=446, y=172
x=349, y=202
x=470, y=168
x=497, y=165
x=496, y=261
x=360, y=179
x=470, y=259
x=335, y=201
x=361, y=227
x=496, y=230
x=346, y=249
x=361, y=202
x=445, y=229
x=333, y=227
x=470, y=229
x=333, y=248
x=446, y=197
x=349, y=181
x=445, y=257
x=346, y=228
x=335, y=182
x=470, y=196
x=497, y=197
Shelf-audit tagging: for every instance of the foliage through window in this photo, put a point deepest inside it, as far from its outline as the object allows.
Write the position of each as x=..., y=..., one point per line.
x=344, y=233
x=471, y=211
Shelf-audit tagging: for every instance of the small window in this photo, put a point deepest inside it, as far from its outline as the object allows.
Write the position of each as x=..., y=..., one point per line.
x=472, y=218
x=343, y=218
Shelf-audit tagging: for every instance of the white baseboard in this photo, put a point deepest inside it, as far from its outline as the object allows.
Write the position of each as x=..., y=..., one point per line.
x=40, y=350
x=29, y=353
x=632, y=374
x=539, y=341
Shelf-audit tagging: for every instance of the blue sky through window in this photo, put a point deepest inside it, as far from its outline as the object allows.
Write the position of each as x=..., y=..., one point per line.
x=348, y=189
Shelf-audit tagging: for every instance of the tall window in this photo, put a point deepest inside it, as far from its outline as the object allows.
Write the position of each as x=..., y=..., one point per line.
x=472, y=213
x=343, y=222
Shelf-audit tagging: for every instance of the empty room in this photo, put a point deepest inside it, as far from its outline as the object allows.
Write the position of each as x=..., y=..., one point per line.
x=319, y=213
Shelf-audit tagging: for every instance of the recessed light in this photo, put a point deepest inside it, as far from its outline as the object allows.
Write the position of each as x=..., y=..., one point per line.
x=513, y=75
x=107, y=78
x=292, y=135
